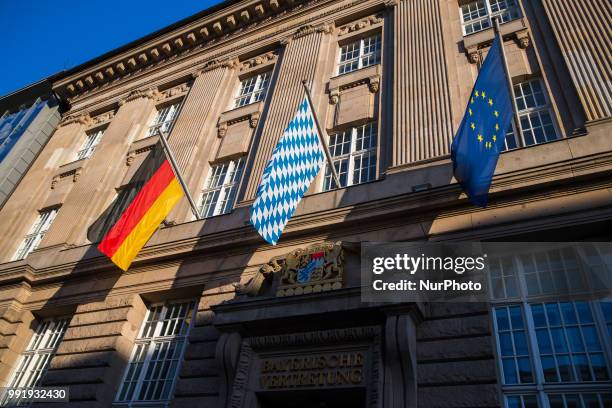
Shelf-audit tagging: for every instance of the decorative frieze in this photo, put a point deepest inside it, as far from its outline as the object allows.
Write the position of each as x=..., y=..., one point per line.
x=149, y=93
x=80, y=118
x=259, y=60
x=360, y=25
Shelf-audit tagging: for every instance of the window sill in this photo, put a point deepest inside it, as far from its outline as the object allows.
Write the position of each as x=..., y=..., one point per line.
x=368, y=75
x=235, y=114
x=515, y=28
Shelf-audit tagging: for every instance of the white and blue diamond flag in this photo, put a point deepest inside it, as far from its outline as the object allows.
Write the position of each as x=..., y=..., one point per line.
x=296, y=160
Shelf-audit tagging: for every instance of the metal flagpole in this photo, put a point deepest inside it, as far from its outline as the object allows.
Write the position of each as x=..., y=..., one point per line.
x=517, y=122
x=177, y=172
x=322, y=137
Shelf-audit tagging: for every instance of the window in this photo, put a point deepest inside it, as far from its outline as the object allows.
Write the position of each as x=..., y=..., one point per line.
x=164, y=117
x=354, y=155
x=478, y=15
x=252, y=89
x=36, y=234
x=534, y=114
x=551, y=353
x=220, y=188
x=359, y=54
x=35, y=360
x=91, y=141
x=157, y=355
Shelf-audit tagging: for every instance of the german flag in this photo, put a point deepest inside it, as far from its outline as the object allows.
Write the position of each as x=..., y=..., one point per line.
x=139, y=209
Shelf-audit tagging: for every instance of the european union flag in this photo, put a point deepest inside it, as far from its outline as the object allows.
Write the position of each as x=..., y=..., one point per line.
x=481, y=135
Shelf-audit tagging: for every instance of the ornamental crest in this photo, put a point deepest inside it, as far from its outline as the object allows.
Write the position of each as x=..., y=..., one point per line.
x=316, y=268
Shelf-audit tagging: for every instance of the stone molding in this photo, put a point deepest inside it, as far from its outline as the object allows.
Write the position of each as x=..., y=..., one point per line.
x=79, y=118
x=270, y=56
x=147, y=93
x=360, y=25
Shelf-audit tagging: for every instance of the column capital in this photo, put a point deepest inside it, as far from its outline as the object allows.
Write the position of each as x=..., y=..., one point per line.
x=147, y=93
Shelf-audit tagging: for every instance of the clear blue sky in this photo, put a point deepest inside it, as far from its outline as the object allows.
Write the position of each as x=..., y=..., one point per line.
x=42, y=37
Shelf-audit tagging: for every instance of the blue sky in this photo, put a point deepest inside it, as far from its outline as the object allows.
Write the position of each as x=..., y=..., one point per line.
x=42, y=37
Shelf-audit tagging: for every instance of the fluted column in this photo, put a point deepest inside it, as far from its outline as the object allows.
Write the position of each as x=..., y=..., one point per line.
x=422, y=119
x=299, y=61
x=102, y=174
x=195, y=132
x=582, y=31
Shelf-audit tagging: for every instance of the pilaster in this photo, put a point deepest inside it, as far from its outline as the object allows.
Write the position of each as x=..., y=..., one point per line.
x=422, y=119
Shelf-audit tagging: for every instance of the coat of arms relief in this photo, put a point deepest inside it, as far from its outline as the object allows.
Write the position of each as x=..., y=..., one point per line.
x=317, y=268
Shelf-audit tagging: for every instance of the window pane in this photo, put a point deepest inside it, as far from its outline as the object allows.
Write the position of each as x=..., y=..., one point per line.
x=156, y=358
x=220, y=188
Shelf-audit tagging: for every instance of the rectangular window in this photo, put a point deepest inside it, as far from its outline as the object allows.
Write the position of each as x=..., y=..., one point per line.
x=534, y=114
x=252, y=89
x=512, y=345
x=522, y=401
x=163, y=120
x=220, y=188
x=36, y=234
x=92, y=139
x=568, y=343
x=35, y=360
x=157, y=355
x=585, y=400
x=359, y=54
x=478, y=15
x=354, y=156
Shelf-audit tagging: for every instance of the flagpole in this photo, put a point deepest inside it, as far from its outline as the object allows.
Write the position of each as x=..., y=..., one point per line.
x=517, y=122
x=177, y=172
x=322, y=137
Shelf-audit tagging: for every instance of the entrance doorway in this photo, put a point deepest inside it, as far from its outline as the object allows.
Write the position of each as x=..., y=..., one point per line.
x=334, y=398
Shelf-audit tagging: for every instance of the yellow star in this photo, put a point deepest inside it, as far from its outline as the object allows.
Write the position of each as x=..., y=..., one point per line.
x=490, y=102
x=470, y=110
x=484, y=95
x=497, y=126
x=480, y=138
x=494, y=138
x=476, y=94
x=496, y=114
x=473, y=126
x=472, y=100
x=488, y=145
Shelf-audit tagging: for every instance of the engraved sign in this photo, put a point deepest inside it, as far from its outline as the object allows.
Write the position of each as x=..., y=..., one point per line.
x=324, y=370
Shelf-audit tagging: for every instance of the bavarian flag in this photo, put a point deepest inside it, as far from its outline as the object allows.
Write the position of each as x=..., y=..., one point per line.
x=481, y=135
x=141, y=205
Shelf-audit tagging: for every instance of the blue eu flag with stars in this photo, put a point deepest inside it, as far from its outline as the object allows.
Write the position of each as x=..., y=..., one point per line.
x=481, y=135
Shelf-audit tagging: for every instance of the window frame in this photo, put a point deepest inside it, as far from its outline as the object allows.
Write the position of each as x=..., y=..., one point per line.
x=350, y=157
x=373, y=34
x=547, y=107
x=90, y=143
x=154, y=126
x=36, y=233
x=258, y=93
x=229, y=186
x=540, y=387
x=28, y=363
x=488, y=16
x=149, y=345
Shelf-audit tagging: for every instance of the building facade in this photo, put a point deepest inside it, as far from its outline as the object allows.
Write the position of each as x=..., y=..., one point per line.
x=208, y=315
x=29, y=117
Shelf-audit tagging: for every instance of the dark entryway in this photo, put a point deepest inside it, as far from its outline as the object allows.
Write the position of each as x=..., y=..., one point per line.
x=336, y=398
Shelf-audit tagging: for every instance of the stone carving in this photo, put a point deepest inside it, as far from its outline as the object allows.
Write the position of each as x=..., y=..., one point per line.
x=253, y=285
x=82, y=118
x=313, y=338
x=261, y=59
x=473, y=55
x=523, y=39
x=102, y=118
x=360, y=25
x=254, y=119
x=177, y=90
x=54, y=182
x=77, y=175
x=231, y=63
x=374, y=84
x=222, y=129
x=150, y=93
x=130, y=158
x=314, y=269
x=334, y=96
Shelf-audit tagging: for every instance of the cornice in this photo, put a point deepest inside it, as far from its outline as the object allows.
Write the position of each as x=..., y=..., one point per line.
x=202, y=54
x=521, y=188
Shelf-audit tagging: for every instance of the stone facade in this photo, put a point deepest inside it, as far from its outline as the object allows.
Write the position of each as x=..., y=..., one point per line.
x=433, y=356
